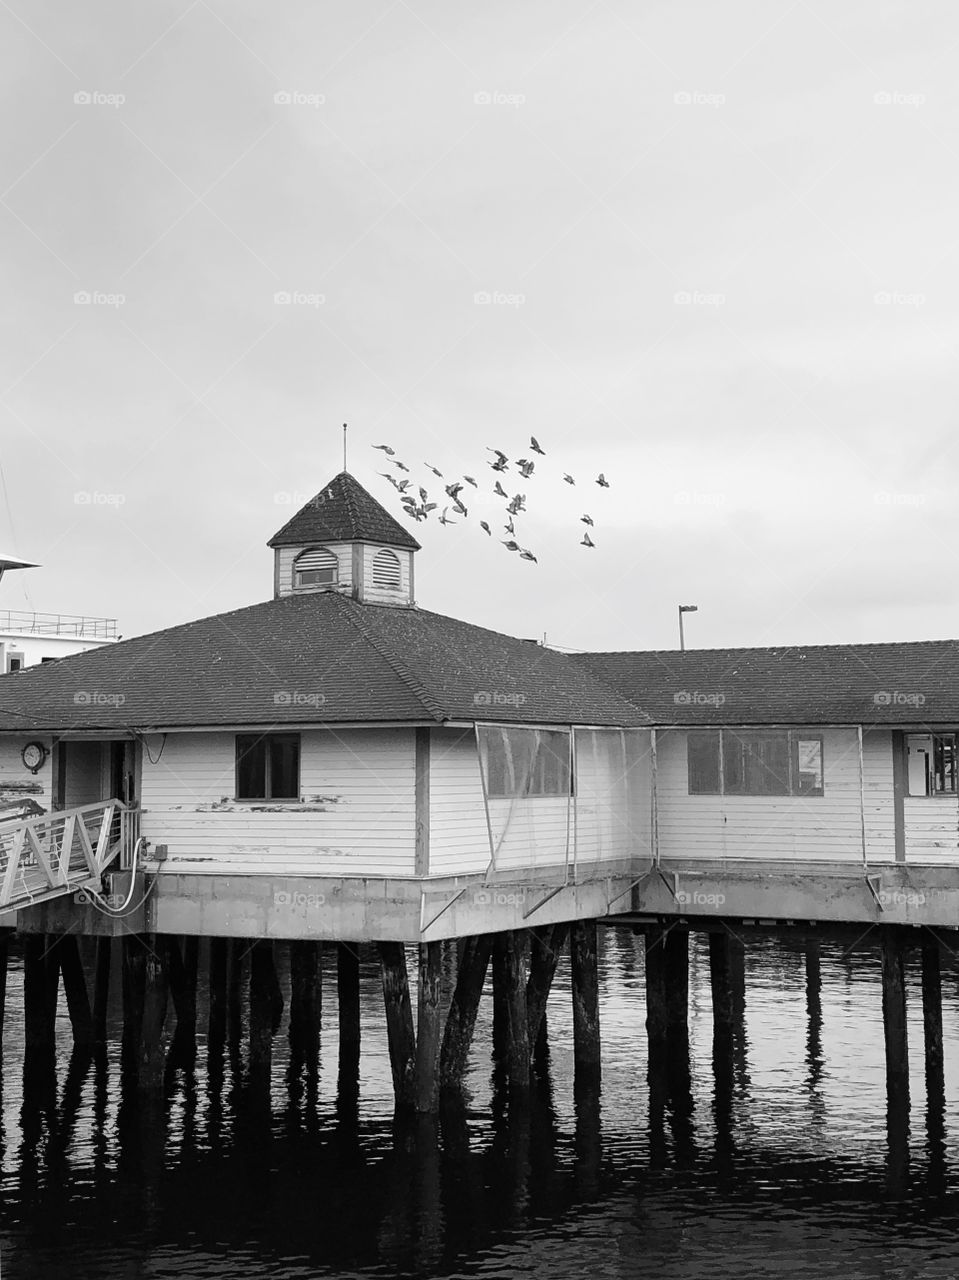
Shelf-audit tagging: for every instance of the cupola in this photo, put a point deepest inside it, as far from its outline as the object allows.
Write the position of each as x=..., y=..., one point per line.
x=344, y=540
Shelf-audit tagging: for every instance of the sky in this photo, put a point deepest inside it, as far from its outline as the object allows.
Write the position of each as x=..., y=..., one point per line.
x=709, y=250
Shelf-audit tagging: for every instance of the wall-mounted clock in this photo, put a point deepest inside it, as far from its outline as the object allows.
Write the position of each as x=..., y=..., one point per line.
x=33, y=756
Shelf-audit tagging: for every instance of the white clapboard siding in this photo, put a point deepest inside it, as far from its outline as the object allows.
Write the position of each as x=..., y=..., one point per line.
x=932, y=828
x=459, y=836
x=610, y=819
x=380, y=594
x=790, y=828
x=286, y=555
x=17, y=782
x=612, y=814
x=534, y=831
x=356, y=815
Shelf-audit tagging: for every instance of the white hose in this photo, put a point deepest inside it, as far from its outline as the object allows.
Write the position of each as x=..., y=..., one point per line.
x=102, y=905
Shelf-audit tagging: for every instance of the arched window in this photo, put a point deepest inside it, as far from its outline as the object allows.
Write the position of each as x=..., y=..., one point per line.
x=386, y=570
x=316, y=567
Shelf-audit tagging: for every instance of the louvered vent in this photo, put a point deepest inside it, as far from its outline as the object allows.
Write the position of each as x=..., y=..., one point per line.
x=315, y=568
x=386, y=570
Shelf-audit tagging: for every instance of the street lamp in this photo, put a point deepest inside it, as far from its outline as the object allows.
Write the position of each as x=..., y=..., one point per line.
x=685, y=608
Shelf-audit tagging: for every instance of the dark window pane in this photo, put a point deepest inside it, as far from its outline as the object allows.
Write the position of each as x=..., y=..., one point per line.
x=703, y=762
x=734, y=778
x=809, y=766
x=944, y=763
x=284, y=768
x=767, y=765
x=250, y=767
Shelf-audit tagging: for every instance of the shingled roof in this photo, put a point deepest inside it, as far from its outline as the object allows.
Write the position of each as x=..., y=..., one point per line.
x=343, y=512
x=312, y=658
x=901, y=683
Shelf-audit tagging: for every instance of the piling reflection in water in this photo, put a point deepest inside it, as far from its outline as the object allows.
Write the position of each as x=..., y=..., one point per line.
x=735, y=1114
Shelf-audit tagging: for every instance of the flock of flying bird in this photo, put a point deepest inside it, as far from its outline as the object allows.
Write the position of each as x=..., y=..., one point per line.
x=420, y=510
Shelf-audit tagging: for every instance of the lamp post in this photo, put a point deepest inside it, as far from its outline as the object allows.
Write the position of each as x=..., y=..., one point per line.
x=685, y=608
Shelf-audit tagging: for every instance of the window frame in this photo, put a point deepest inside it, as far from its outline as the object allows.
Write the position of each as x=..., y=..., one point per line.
x=267, y=740
x=537, y=777
x=752, y=763
x=334, y=569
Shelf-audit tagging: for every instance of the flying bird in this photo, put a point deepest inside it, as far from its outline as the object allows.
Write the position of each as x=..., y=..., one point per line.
x=587, y=541
x=433, y=469
x=423, y=494
x=386, y=476
x=526, y=467
x=528, y=555
x=602, y=481
x=386, y=449
x=458, y=506
x=516, y=504
x=501, y=460
x=443, y=519
x=402, y=465
x=534, y=445
x=499, y=490
x=509, y=526
x=511, y=546
x=454, y=490
x=568, y=478
x=586, y=519
x=485, y=527
x=470, y=480
x=402, y=485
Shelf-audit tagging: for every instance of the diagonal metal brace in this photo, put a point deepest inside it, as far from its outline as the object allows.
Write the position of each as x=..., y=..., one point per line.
x=543, y=901
x=446, y=906
x=629, y=889
x=875, y=883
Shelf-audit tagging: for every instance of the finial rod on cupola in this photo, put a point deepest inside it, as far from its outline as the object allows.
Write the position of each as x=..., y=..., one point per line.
x=344, y=447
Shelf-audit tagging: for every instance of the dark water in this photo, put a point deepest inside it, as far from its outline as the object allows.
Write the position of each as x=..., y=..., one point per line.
x=779, y=1165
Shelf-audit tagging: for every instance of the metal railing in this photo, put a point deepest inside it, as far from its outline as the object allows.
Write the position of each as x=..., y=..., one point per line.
x=60, y=852
x=58, y=624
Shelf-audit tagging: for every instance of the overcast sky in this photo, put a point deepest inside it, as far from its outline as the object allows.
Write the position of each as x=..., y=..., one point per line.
x=720, y=242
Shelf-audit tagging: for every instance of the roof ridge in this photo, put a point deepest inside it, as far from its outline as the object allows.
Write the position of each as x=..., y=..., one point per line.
x=769, y=648
x=351, y=610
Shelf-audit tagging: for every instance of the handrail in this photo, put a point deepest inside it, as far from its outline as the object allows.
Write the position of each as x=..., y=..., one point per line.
x=65, y=850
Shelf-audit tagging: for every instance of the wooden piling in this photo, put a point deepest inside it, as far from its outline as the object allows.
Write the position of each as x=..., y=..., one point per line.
x=500, y=1000
x=399, y=1022
x=474, y=957
x=894, y=1017
x=655, y=962
x=38, y=1022
x=546, y=946
x=724, y=971
x=305, y=998
x=676, y=980
x=133, y=989
x=75, y=989
x=932, y=1017
x=216, y=1025
x=348, y=998
x=101, y=988
x=516, y=976
x=156, y=989
x=585, y=985
x=262, y=978
x=428, y=1027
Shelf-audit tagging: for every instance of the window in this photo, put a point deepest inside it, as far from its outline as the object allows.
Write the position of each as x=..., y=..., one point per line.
x=703, y=749
x=316, y=567
x=267, y=766
x=14, y=662
x=526, y=762
x=745, y=763
x=931, y=763
x=43, y=660
x=386, y=570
